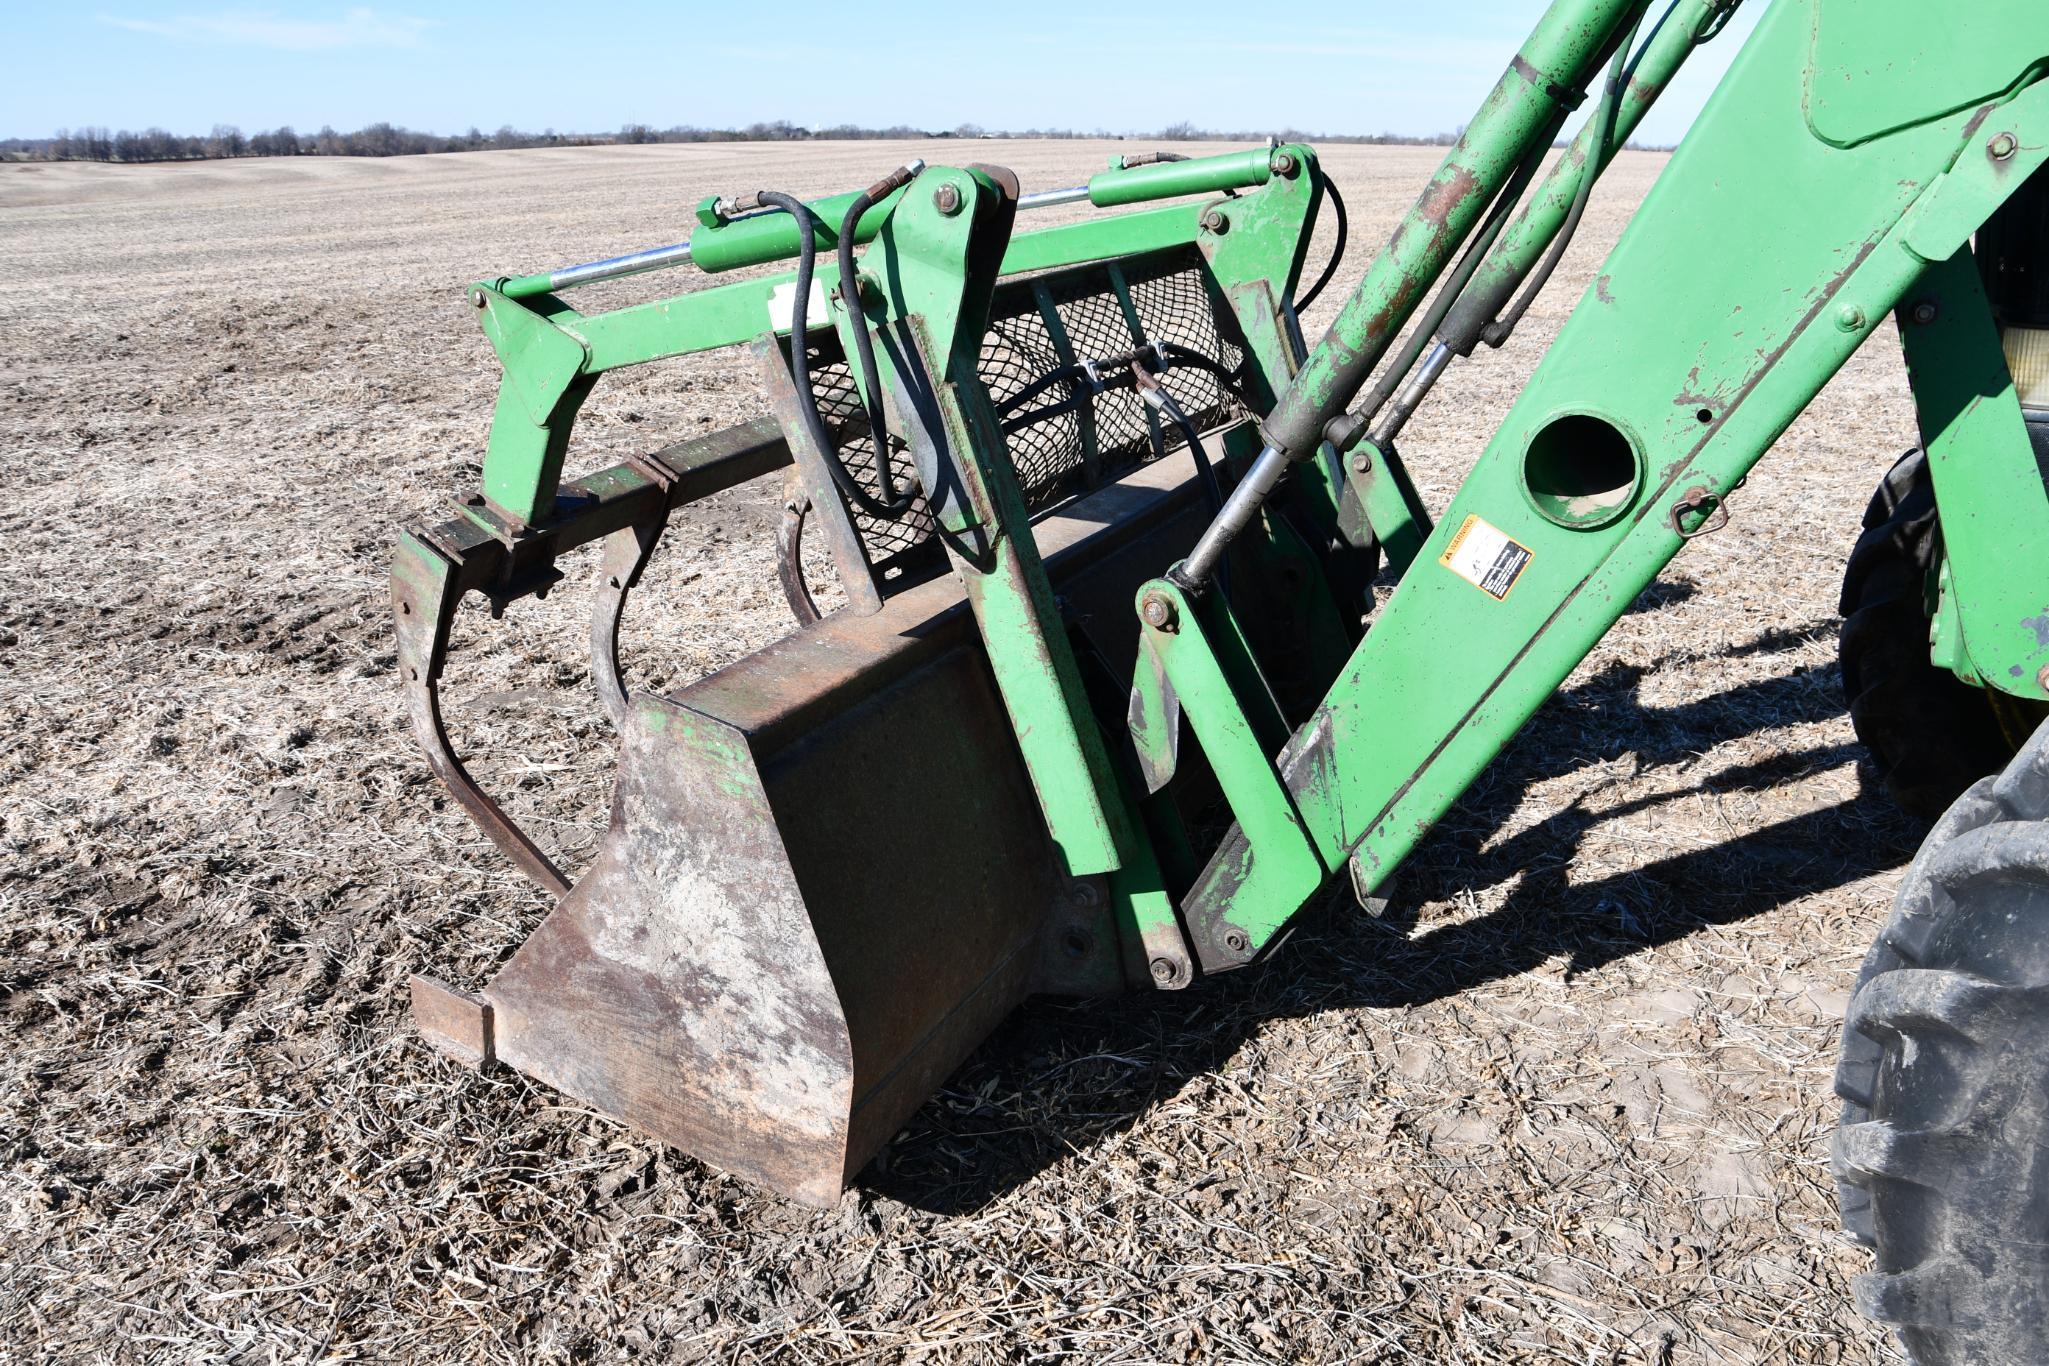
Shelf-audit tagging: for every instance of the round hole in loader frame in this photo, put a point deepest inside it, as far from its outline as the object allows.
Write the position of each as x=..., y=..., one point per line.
x=1582, y=471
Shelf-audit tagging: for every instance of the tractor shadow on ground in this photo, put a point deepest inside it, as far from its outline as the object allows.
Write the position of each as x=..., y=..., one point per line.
x=1059, y=1077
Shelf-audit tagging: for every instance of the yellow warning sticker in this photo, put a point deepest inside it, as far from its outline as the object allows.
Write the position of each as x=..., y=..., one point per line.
x=1485, y=557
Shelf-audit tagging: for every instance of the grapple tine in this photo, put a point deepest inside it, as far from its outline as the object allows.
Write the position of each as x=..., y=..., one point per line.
x=425, y=593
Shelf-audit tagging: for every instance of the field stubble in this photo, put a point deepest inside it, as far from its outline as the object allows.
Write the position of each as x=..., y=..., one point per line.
x=1569, y=1102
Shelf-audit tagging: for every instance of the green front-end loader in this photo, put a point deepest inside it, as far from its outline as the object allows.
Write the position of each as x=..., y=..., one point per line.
x=1148, y=640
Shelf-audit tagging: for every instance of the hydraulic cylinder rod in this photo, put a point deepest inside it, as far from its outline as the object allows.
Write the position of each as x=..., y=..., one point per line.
x=1553, y=68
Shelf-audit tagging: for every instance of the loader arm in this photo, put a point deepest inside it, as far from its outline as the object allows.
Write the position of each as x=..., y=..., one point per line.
x=1790, y=223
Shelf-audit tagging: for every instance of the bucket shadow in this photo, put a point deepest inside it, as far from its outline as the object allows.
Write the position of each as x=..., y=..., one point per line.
x=1061, y=1076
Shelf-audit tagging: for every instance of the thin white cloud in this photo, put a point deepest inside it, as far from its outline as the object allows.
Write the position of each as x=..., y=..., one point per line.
x=356, y=28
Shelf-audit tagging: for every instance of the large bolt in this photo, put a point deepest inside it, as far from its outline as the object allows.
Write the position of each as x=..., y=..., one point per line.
x=2003, y=146
x=946, y=199
x=1281, y=163
x=1215, y=220
x=1158, y=611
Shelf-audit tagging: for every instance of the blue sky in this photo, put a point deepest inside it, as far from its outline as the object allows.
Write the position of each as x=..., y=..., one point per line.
x=1380, y=65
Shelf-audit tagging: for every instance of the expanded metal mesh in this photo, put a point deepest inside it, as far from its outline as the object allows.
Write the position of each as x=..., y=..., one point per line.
x=1073, y=440
x=839, y=403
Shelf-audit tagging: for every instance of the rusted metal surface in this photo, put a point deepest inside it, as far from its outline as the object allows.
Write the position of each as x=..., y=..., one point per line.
x=755, y=968
x=480, y=552
x=626, y=554
x=789, y=554
x=455, y=1022
x=425, y=593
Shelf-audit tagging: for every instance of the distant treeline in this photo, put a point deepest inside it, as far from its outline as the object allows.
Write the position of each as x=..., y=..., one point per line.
x=389, y=140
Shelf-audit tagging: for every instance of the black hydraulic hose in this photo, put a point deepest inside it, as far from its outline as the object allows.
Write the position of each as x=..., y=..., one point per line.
x=1337, y=250
x=867, y=380
x=1499, y=331
x=1066, y=374
x=1230, y=380
x=1204, y=471
x=800, y=368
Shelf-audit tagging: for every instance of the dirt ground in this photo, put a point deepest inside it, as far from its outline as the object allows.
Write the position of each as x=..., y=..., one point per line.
x=1569, y=1102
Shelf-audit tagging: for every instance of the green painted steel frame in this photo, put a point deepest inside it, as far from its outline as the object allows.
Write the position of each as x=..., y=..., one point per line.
x=1992, y=623
x=928, y=277
x=1763, y=258
x=552, y=355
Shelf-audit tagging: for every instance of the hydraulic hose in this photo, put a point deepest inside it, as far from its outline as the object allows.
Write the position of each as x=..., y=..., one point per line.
x=868, y=383
x=1337, y=250
x=800, y=372
x=1157, y=397
x=1498, y=331
x=1172, y=353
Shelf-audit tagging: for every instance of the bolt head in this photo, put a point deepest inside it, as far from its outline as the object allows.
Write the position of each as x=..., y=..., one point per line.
x=1158, y=611
x=946, y=199
x=477, y=298
x=1214, y=220
x=2003, y=146
x=1362, y=463
x=1850, y=318
x=1282, y=163
x=1925, y=312
x=2042, y=678
x=1165, y=971
x=1236, y=942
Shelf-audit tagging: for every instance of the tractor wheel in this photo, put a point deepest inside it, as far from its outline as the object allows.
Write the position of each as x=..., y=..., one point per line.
x=1942, y=1159
x=1931, y=734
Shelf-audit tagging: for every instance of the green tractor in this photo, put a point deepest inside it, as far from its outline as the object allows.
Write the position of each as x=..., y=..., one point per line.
x=1110, y=698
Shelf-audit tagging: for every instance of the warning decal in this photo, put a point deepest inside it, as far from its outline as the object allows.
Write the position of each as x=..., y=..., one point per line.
x=1486, y=558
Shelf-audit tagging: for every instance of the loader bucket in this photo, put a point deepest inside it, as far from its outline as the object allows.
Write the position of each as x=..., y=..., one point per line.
x=826, y=880
x=835, y=865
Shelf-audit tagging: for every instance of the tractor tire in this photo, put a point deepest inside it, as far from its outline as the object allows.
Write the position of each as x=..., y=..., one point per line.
x=1942, y=1157
x=1931, y=734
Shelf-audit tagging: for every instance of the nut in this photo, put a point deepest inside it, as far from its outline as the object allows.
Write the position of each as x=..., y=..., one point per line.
x=946, y=199
x=1215, y=220
x=1158, y=611
x=1281, y=163
x=2003, y=146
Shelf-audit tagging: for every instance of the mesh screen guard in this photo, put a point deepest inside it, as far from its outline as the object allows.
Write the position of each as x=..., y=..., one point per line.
x=1074, y=439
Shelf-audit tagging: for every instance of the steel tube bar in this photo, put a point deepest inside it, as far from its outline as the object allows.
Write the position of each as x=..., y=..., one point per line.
x=1049, y=199
x=590, y=272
